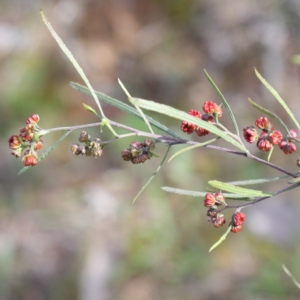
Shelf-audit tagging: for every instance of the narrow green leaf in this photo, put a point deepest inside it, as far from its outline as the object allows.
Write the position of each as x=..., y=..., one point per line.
x=294, y=180
x=258, y=181
x=225, y=103
x=278, y=98
x=47, y=152
x=23, y=170
x=236, y=189
x=183, y=116
x=72, y=59
x=122, y=106
x=270, y=153
x=192, y=147
x=286, y=270
x=136, y=107
x=222, y=238
x=269, y=113
x=153, y=175
x=202, y=194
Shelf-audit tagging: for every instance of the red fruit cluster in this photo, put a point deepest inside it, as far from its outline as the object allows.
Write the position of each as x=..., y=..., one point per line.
x=212, y=112
x=90, y=147
x=269, y=137
x=213, y=201
x=138, y=152
x=27, y=140
x=237, y=222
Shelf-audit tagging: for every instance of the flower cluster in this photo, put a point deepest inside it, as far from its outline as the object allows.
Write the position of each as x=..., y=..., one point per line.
x=90, y=147
x=28, y=140
x=212, y=112
x=237, y=222
x=269, y=137
x=213, y=201
x=138, y=152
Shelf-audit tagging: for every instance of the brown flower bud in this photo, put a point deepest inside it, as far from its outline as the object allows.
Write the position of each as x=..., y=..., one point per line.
x=84, y=137
x=74, y=148
x=126, y=155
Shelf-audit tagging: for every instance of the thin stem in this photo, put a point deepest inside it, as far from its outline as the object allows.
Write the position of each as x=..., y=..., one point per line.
x=170, y=141
x=271, y=165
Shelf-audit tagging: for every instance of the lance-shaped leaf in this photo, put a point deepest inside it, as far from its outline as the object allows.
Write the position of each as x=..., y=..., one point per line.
x=286, y=270
x=192, y=147
x=258, y=181
x=202, y=194
x=72, y=59
x=136, y=107
x=153, y=175
x=222, y=239
x=237, y=190
x=225, y=103
x=123, y=106
x=294, y=180
x=183, y=116
x=278, y=98
x=267, y=112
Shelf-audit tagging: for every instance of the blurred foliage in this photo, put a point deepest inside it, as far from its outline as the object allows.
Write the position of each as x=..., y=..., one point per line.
x=67, y=227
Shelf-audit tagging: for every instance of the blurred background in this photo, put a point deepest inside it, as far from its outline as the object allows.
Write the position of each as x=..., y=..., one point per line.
x=68, y=229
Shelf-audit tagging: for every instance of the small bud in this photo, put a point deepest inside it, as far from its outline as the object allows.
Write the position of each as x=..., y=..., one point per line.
x=96, y=152
x=298, y=161
x=33, y=119
x=263, y=123
x=238, y=218
x=212, y=211
x=74, y=148
x=236, y=229
x=263, y=143
x=287, y=147
x=294, y=134
x=14, y=142
x=135, y=152
x=212, y=108
x=149, y=144
x=189, y=127
x=201, y=131
x=82, y=150
x=30, y=160
x=275, y=137
x=84, y=137
x=220, y=199
x=26, y=133
x=38, y=145
x=250, y=134
x=126, y=155
x=219, y=221
x=209, y=200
